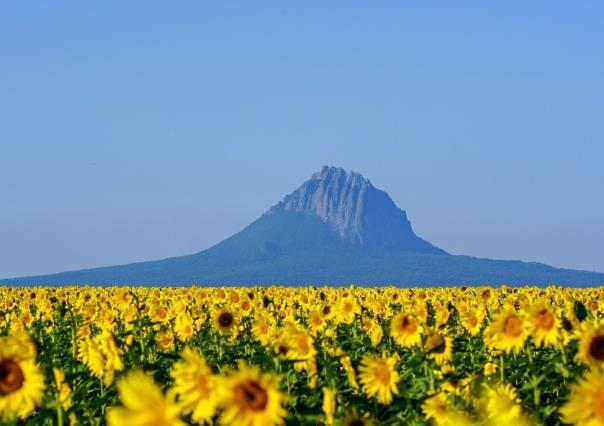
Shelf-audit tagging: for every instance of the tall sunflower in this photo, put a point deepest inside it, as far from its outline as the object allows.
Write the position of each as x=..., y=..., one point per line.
x=102, y=356
x=348, y=309
x=63, y=389
x=355, y=419
x=502, y=404
x=438, y=346
x=591, y=345
x=350, y=373
x=379, y=377
x=440, y=412
x=183, y=326
x=225, y=321
x=194, y=384
x=585, y=406
x=164, y=340
x=21, y=381
x=262, y=328
x=406, y=330
x=472, y=320
x=435, y=409
x=144, y=403
x=507, y=332
x=301, y=348
x=249, y=397
x=544, y=325
x=329, y=405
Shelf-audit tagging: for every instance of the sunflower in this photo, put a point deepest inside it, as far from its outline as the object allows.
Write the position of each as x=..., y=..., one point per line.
x=249, y=397
x=438, y=346
x=355, y=419
x=502, y=404
x=300, y=348
x=225, y=321
x=489, y=368
x=327, y=312
x=379, y=377
x=507, y=332
x=159, y=314
x=144, y=403
x=111, y=350
x=164, y=340
x=405, y=330
x=544, y=324
x=194, y=384
x=439, y=412
x=585, y=407
x=435, y=408
x=591, y=345
x=441, y=314
x=348, y=309
x=102, y=356
x=329, y=404
x=183, y=326
x=63, y=389
x=262, y=328
x=316, y=321
x=472, y=321
x=350, y=373
x=21, y=382
x=376, y=333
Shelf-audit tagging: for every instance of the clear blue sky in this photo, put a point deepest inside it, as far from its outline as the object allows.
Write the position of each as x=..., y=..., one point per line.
x=141, y=130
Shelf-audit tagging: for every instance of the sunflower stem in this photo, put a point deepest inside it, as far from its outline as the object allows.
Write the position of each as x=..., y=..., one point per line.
x=60, y=421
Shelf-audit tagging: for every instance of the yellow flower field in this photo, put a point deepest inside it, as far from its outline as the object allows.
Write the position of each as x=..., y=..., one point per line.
x=301, y=356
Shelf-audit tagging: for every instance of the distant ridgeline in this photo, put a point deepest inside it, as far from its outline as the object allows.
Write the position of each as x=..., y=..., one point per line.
x=335, y=229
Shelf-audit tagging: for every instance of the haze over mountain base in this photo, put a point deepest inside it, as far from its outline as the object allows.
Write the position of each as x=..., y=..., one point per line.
x=336, y=229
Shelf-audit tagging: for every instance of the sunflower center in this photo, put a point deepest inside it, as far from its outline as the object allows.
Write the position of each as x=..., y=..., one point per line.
x=409, y=325
x=436, y=344
x=326, y=310
x=596, y=348
x=546, y=320
x=225, y=319
x=356, y=423
x=11, y=376
x=513, y=327
x=303, y=345
x=252, y=395
x=382, y=373
x=472, y=321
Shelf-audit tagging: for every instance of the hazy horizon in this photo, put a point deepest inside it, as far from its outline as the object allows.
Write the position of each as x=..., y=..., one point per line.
x=160, y=131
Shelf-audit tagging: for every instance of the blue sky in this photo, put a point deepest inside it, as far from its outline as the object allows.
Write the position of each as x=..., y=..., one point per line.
x=142, y=130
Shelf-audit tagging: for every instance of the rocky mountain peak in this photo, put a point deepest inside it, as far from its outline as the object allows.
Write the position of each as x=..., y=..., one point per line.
x=355, y=209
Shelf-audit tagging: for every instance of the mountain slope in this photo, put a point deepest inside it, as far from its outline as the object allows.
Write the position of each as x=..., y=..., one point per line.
x=338, y=229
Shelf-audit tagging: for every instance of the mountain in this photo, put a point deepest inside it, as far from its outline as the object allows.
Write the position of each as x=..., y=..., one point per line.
x=337, y=229
x=356, y=210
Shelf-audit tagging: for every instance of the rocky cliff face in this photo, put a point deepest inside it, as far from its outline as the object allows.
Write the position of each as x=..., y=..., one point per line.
x=355, y=209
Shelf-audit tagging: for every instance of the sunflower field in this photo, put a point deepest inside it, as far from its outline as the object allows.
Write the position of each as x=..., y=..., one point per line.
x=301, y=356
